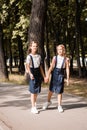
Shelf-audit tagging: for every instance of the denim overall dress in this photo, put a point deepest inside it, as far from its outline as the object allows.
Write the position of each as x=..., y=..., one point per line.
x=57, y=79
x=35, y=84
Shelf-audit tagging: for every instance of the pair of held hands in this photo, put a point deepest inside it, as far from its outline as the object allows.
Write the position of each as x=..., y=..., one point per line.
x=46, y=79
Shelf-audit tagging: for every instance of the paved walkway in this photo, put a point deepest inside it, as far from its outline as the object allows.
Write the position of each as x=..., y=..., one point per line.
x=15, y=111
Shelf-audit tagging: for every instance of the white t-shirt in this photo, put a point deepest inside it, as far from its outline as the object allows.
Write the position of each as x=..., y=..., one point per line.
x=59, y=61
x=36, y=60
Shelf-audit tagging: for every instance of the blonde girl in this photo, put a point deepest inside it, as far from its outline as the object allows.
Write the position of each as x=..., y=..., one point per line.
x=59, y=64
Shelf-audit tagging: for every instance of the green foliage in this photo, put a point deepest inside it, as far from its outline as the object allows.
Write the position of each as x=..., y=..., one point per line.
x=61, y=20
x=3, y=13
x=14, y=15
x=20, y=27
x=61, y=16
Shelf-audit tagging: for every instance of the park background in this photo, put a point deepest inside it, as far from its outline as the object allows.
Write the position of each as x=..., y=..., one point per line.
x=50, y=23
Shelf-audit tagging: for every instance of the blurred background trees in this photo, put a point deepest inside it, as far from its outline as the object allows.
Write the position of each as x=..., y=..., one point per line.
x=51, y=22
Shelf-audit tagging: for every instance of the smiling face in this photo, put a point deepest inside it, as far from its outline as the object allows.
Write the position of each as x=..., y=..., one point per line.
x=61, y=50
x=34, y=48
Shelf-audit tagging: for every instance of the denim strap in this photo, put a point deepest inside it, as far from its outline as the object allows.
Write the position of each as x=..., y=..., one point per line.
x=63, y=63
x=57, y=61
x=32, y=61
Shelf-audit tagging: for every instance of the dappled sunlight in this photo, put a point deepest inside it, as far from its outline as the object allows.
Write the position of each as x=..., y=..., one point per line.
x=19, y=96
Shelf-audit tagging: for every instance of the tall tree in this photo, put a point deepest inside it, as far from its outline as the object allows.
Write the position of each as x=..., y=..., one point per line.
x=21, y=55
x=47, y=39
x=37, y=22
x=79, y=42
x=3, y=69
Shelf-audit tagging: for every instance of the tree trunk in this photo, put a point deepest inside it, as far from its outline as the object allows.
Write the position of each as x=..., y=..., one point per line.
x=10, y=56
x=82, y=53
x=77, y=38
x=47, y=40
x=71, y=48
x=3, y=68
x=79, y=42
x=21, y=56
x=37, y=23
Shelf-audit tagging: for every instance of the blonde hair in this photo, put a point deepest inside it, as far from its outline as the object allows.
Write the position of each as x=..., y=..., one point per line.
x=29, y=48
x=63, y=47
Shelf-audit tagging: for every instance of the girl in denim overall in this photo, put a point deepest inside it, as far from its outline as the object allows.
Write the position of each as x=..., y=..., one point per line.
x=60, y=63
x=35, y=70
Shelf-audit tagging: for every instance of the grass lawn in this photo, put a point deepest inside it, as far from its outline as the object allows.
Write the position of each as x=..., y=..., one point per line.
x=77, y=86
x=17, y=79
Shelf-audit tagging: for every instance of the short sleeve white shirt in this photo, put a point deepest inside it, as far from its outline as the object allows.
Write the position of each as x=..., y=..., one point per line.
x=36, y=60
x=59, y=61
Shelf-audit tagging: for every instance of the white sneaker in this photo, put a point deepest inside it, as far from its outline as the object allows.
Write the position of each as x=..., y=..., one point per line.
x=60, y=109
x=34, y=110
x=46, y=105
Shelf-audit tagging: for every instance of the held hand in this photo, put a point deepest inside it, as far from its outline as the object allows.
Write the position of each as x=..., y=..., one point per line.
x=31, y=76
x=46, y=79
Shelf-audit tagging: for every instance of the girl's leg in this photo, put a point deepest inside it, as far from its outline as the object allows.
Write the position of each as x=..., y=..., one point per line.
x=59, y=99
x=48, y=103
x=60, y=109
x=33, y=99
x=49, y=95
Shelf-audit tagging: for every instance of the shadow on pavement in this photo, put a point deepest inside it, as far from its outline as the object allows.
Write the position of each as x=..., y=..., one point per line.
x=18, y=96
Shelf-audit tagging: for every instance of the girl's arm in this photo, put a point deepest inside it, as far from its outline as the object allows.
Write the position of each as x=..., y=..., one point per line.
x=67, y=70
x=28, y=71
x=42, y=72
x=51, y=67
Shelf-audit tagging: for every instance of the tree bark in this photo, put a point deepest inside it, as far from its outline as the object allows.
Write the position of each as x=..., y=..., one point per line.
x=47, y=39
x=3, y=67
x=77, y=38
x=10, y=57
x=79, y=42
x=37, y=23
x=21, y=56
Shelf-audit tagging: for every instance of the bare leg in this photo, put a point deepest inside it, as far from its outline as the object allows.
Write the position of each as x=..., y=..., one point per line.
x=60, y=109
x=49, y=95
x=33, y=99
x=59, y=99
x=48, y=101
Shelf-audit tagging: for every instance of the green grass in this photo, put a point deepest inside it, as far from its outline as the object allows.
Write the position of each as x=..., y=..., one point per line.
x=17, y=79
x=77, y=87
